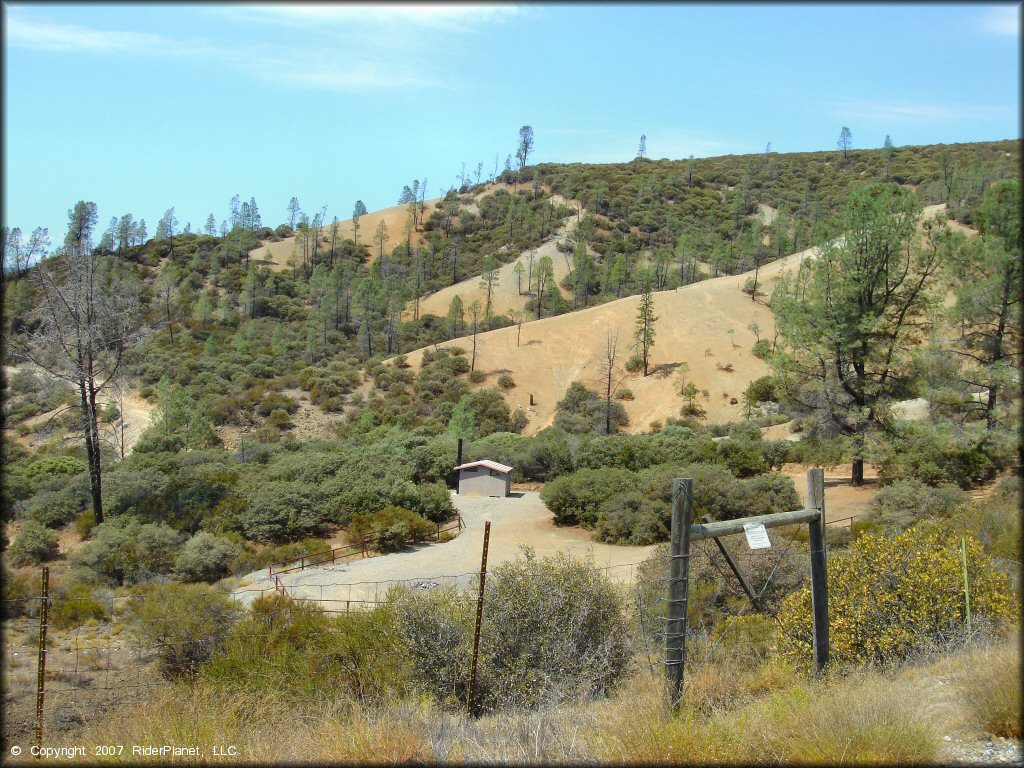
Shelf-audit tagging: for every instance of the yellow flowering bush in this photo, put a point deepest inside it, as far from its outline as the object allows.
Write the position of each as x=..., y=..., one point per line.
x=891, y=596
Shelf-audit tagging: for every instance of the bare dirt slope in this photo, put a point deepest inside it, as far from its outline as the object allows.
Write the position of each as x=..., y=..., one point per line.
x=506, y=295
x=394, y=219
x=519, y=520
x=703, y=325
x=45, y=426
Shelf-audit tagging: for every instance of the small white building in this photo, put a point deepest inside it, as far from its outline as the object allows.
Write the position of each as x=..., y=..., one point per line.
x=484, y=478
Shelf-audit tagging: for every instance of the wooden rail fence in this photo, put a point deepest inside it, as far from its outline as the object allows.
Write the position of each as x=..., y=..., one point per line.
x=361, y=549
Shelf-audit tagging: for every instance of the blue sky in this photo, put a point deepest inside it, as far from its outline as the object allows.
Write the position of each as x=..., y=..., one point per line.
x=144, y=107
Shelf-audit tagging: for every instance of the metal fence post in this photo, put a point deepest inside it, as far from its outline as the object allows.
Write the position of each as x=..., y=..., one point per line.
x=473, y=708
x=819, y=570
x=678, y=577
x=41, y=668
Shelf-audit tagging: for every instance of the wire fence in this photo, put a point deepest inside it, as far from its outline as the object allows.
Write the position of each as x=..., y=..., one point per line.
x=108, y=658
x=101, y=651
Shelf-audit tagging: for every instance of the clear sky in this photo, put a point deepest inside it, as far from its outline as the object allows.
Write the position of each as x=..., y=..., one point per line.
x=144, y=107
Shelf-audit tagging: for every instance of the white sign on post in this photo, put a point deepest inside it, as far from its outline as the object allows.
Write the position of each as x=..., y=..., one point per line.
x=757, y=536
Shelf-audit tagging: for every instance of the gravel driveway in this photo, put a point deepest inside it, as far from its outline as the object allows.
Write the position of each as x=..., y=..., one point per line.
x=521, y=519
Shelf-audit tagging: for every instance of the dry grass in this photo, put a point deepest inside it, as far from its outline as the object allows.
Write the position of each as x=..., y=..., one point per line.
x=765, y=713
x=861, y=719
x=990, y=684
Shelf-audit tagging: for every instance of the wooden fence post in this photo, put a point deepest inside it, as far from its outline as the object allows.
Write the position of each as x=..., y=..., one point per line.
x=473, y=708
x=678, y=577
x=819, y=570
x=41, y=668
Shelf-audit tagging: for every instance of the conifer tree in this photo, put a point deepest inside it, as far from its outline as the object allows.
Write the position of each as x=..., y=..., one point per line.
x=643, y=333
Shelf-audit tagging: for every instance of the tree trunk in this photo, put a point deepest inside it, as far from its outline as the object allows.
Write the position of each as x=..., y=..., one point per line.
x=857, y=473
x=170, y=323
x=91, y=449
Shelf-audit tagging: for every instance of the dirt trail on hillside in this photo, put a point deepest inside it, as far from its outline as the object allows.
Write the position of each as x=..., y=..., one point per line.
x=519, y=520
x=506, y=295
x=706, y=325
x=137, y=413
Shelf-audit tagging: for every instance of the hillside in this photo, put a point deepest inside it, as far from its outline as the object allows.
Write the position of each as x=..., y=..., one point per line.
x=706, y=325
x=277, y=411
x=511, y=292
x=276, y=254
x=692, y=320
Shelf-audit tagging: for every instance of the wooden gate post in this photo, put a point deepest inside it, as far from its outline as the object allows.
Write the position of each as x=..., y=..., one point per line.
x=819, y=572
x=678, y=583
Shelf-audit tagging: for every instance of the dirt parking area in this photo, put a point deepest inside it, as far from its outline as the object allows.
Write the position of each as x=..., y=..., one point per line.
x=517, y=521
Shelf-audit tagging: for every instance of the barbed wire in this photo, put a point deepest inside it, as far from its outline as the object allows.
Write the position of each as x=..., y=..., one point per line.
x=101, y=664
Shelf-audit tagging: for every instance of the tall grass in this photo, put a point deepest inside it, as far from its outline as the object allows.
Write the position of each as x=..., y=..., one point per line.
x=863, y=718
x=860, y=719
x=990, y=684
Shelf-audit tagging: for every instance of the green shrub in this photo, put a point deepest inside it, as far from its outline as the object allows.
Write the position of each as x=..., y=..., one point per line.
x=206, y=557
x=21, y=592
x=291, y=649
x=581, y=412
x=279, y=418
x=996, y=522
x=632, y=518
x=74, y=605
x=33, y=544
x=279, y=511
x=390, y=529
x=904, y=502
x=776, y=453
x=506, y=382
x=768, y=493
x=634, y=363
x=54, y=509
x=435, y=503
x=890, y=597
x=85, y=522
x=575, y=499
x=127, y=551
x=743, y=457
x=641, y=514
x=252, y=559
x=761, y=349
x=183, y=624
x=554, y=631
x=48, y=468
x=940, y=453
x=142, y=493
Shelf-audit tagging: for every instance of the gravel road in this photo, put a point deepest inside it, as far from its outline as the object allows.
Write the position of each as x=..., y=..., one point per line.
x=521, y=519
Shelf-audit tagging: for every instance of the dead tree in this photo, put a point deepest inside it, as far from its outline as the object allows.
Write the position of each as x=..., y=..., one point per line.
x=85, y=319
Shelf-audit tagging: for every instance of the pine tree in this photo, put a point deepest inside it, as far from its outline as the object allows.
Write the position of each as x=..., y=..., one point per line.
x=488, y=281
x=643, y=334
x=455, y=317
x=255, y=222
x=845, y=140
x=519, y=269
